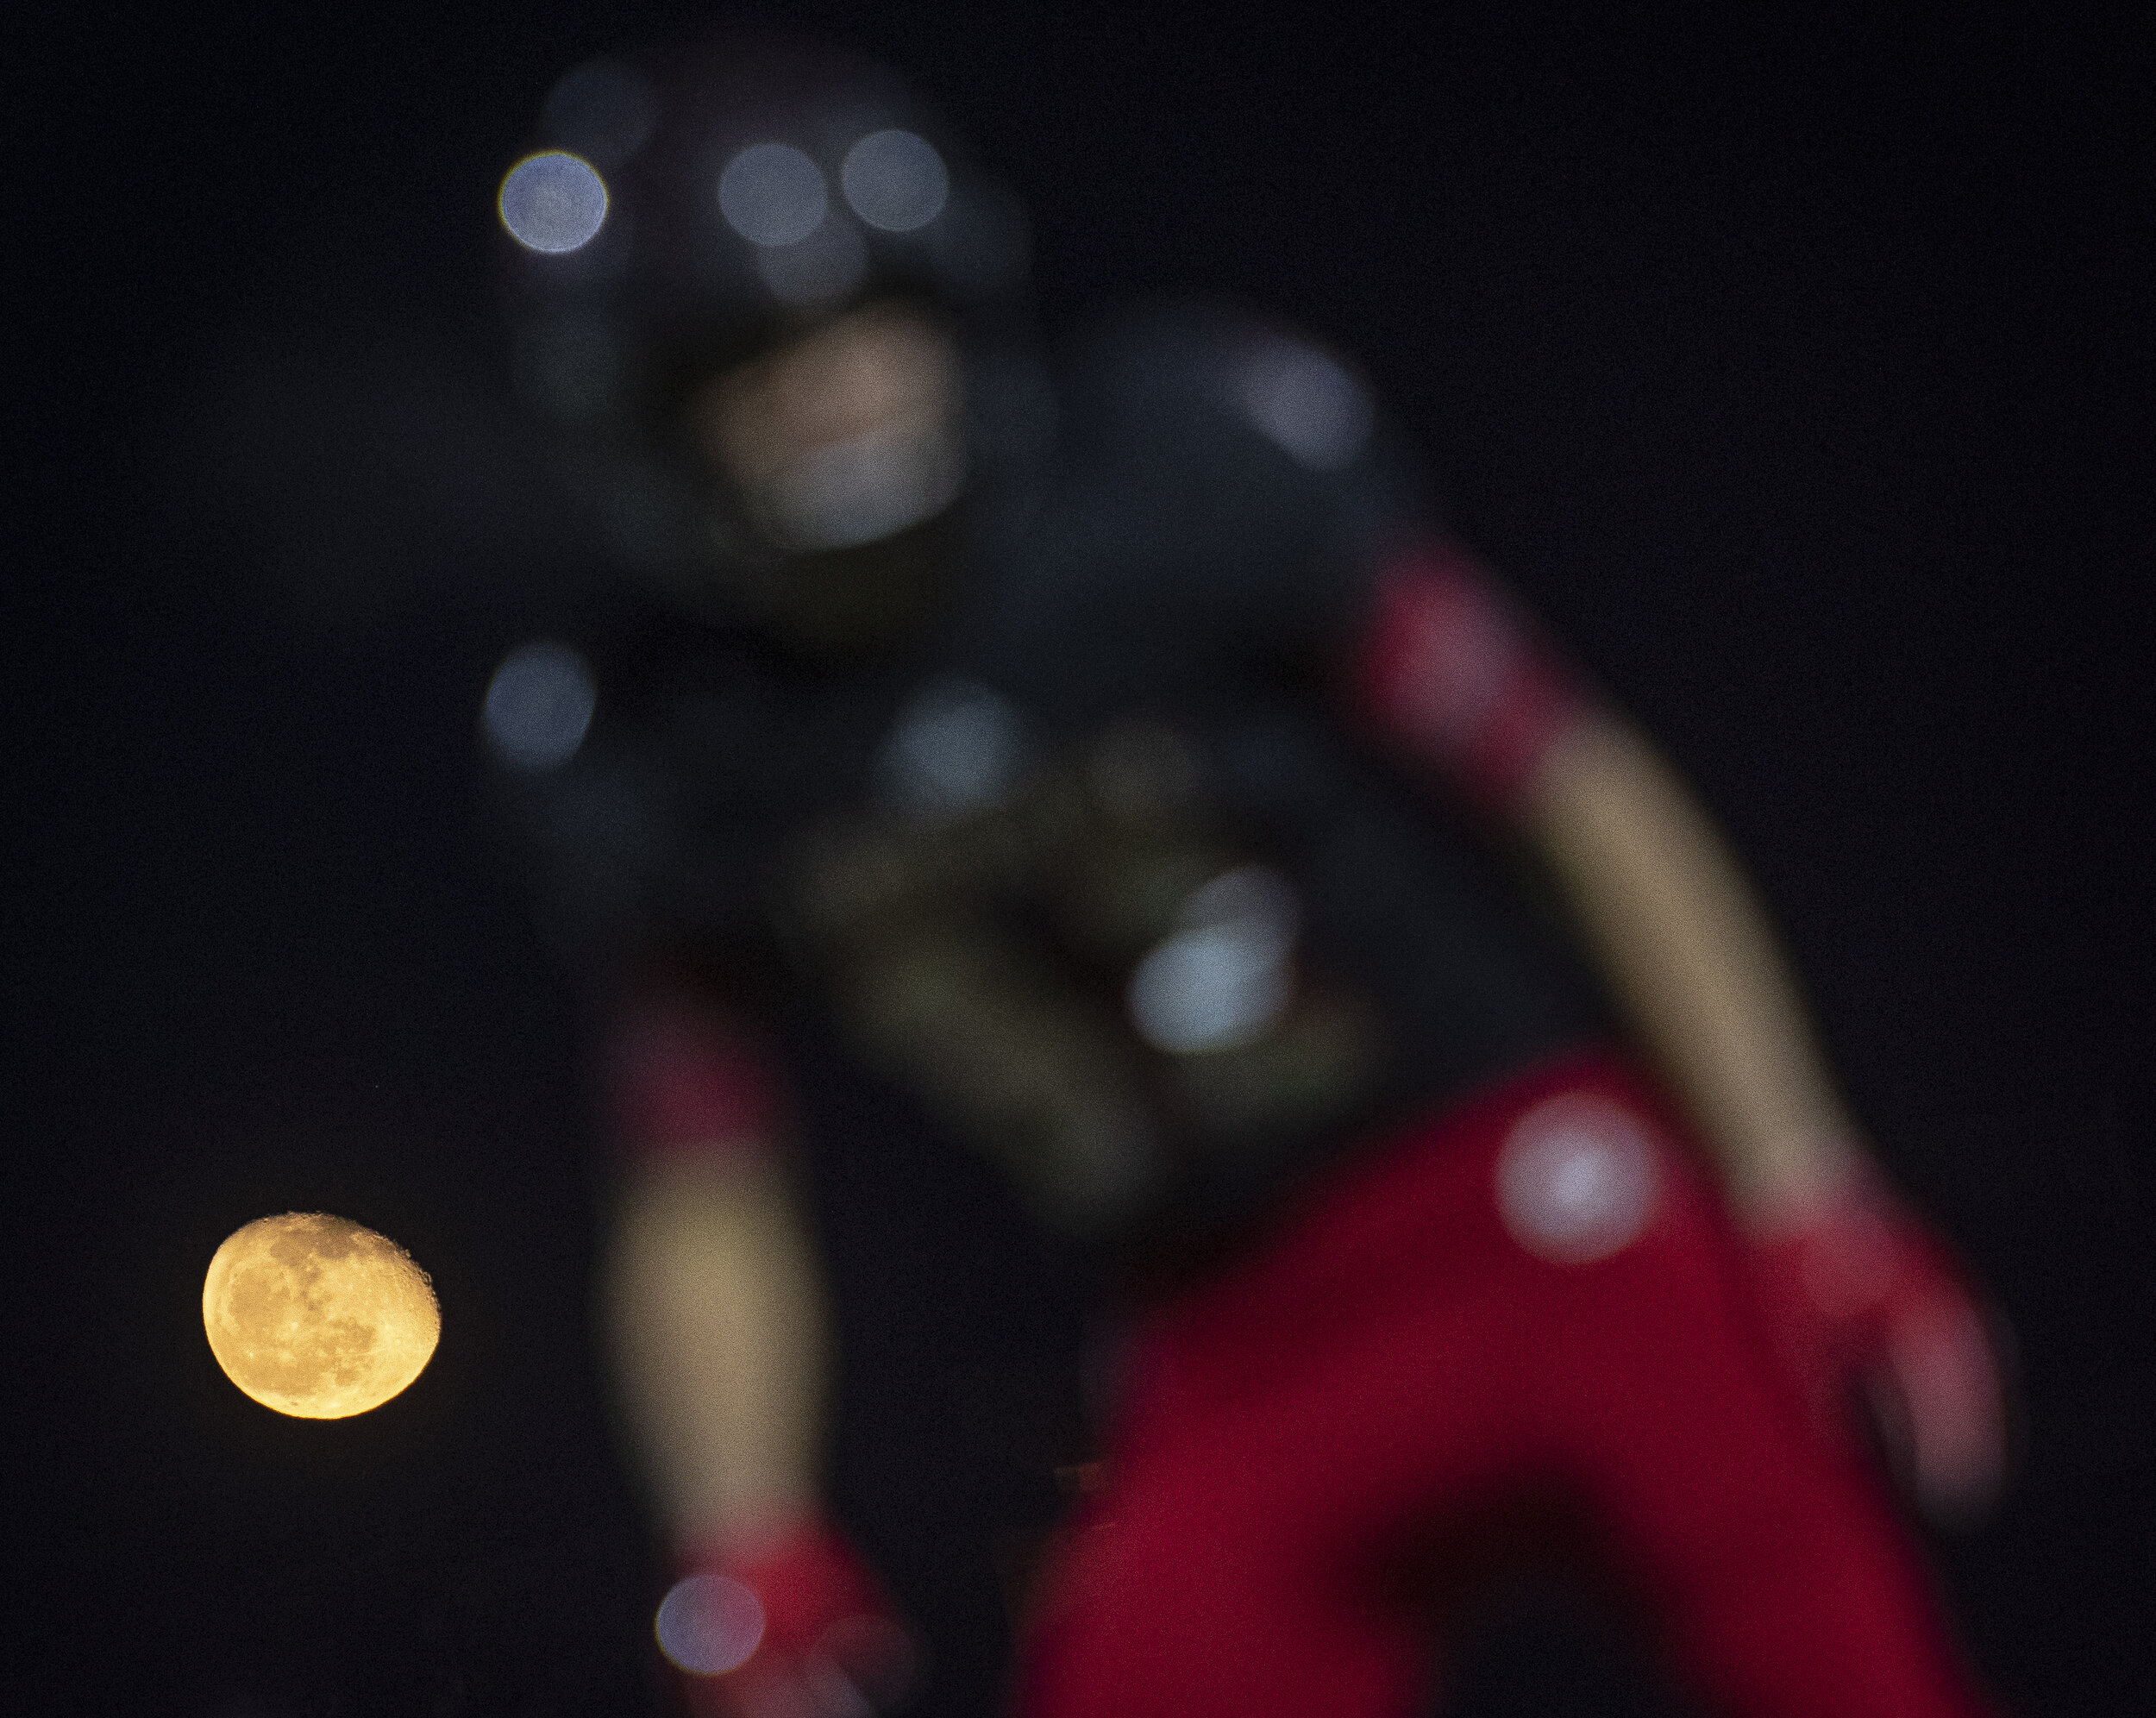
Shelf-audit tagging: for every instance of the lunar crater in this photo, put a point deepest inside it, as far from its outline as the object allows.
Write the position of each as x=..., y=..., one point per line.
x=316, y=1317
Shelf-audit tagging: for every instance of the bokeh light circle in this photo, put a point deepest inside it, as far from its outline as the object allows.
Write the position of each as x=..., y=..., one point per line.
x=772, y=194
x=552, y=201
x=709, y=1624
x=539, y=705
x=1308, y=404
x=895, y=180
x=1576, y=1181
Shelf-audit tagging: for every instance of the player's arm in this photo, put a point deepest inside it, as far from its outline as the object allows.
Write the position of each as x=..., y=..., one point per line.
x=715, y=1313
x=1452, y=676
x=1676, y=934
x=716, y=1322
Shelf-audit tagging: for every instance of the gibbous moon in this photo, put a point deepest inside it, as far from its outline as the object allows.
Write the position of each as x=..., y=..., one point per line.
x=315, y=1317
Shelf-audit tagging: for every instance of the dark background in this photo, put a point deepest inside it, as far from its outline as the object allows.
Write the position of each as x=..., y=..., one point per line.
x=1798, y=373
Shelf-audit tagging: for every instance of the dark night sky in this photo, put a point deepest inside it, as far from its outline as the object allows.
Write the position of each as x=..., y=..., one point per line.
x=1799, y=374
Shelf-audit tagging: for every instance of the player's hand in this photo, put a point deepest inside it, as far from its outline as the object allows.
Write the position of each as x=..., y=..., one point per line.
x=1866, y=1304
x=800, y=1628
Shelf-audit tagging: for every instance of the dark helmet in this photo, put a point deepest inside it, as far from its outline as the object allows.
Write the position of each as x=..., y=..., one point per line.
x=690, y=208
x=697, y=207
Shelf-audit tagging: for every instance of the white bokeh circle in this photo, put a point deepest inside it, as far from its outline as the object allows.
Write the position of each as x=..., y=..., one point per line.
x=772, y=194
x=709, y=1624
x=895, y=180
x=539, y=705
x=552, y=201
x=1306, y=403
x=1578, y=1179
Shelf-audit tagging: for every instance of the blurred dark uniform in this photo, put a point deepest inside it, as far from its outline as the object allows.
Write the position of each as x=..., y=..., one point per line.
x=1126, y=866
x=1097, y=867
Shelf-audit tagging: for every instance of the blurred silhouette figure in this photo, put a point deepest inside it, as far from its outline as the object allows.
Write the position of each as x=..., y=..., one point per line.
x=1127, y=767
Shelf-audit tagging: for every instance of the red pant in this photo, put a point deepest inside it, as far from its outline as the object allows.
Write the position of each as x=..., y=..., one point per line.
x=1530, y=1300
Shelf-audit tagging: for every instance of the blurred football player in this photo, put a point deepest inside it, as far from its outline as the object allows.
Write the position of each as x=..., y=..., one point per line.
x=1130, y=770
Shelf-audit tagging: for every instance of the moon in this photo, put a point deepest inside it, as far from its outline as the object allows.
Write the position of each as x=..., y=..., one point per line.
x=316, y=1317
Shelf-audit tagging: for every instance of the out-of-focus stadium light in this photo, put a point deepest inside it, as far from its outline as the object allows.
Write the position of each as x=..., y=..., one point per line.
x=894, y=181
x=553, y=203
x=772, y=194
x=709, y=1624
x=1225, y=978
x=958, y=747
x=538, y=707
x=1305, y=403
